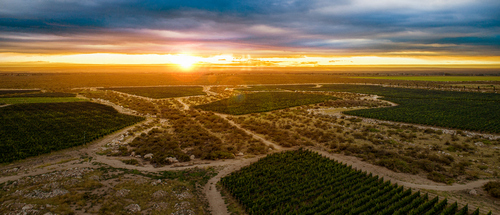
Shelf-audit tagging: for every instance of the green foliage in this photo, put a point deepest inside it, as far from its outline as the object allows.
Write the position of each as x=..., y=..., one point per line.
x=317, y=185
x=459, y=114
x=436, y=176
x=460, y=110
x=131, y=162
x=262, y=102
x=161, y=92
x=34, y=129
x=493, y=188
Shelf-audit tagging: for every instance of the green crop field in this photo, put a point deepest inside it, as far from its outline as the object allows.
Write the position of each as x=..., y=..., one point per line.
x=262, y=102
x=33, y=129
x=303, y=182
x=160, y=92
x=462, y=110
x=436, y=78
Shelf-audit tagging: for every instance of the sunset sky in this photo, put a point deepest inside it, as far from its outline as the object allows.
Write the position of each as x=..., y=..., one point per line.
x=251, y=32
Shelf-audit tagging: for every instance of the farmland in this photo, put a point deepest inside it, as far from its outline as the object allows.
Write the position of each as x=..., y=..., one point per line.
x=318, y=185
x=460, y=114
x=341, y=121
x=436, y=78
x=461, y=110
x=35, y=129
x=262, y=102
x=25, y=100
x=160, y=92
x=12, y=92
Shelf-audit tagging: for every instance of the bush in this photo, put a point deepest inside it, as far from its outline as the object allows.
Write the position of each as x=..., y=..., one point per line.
x=131, y=162
x=493, y=188
x=397, y=165
x=438, y=177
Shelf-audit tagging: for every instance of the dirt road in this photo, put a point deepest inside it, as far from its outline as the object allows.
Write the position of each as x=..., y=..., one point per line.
x=186, y=106
x=254, y=135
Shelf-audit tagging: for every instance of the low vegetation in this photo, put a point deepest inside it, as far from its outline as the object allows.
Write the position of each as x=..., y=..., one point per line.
x=160, y=92
x=34, y=129
x=105, y=190
x=262, y=102
x=493, y=188
x=460, y=110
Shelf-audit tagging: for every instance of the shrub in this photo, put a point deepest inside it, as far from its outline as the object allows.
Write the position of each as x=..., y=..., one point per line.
x=438, y=177
x=493, y=188
x=131, y=162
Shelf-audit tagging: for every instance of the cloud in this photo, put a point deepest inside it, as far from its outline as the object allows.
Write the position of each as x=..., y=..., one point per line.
x=257, y=27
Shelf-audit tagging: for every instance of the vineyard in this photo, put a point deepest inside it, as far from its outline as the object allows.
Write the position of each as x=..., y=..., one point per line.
x=33, y=129
x=318, y=185
x=262, y=102
x=160, y=92
x=467, y=115
x=461, y=110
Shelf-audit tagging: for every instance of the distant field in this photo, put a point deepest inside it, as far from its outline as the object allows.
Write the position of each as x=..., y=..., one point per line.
x=53, y=94
x=436, y=78
x=160, y=92
x=5, y=92
x=262, y=102
x=34, y=129
x=24, y=100
x=314, y=184
x=261, y=88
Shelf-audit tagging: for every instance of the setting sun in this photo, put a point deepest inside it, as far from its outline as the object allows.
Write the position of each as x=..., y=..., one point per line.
x=185, y=61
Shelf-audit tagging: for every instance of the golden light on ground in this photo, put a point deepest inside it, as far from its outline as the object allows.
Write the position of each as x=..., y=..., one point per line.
x=184, y=61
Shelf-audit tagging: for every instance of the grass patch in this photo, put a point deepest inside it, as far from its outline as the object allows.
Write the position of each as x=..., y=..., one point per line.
x=262, y=102
x=160, y=92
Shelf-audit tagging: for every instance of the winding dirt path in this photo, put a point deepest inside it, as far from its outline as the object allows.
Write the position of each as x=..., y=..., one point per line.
x=254, y=135
x=185, y=106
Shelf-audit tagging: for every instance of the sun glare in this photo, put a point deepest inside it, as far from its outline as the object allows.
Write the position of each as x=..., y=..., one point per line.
x=185, y=61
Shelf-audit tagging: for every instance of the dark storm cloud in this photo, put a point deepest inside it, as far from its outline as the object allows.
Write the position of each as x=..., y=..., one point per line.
x=360, y=26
